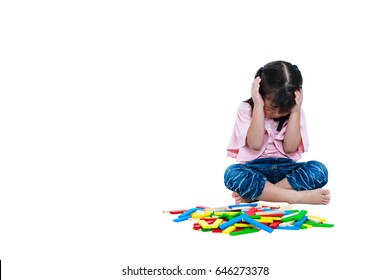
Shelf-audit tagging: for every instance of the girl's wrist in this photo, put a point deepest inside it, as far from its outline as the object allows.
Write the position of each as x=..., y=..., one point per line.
x=258, y=106
x=296, y=111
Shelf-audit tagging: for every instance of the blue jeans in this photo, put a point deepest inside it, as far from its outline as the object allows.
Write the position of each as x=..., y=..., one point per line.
x=249, y=179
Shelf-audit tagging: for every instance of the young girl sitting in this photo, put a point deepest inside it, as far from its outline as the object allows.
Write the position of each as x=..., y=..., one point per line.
x=268, y=139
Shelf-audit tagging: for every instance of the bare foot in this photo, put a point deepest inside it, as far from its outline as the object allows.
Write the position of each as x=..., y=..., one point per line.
x=238, y=199
x=317, y=196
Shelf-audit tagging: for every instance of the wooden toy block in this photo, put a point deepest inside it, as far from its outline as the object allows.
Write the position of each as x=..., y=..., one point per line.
x=305, y=226
x=300, y=215
x=316, y=219
x=208, y=220
x=272, y=218
x=235, y=215
x=216, y=223
x=295, y=217
x=287, y=212
x=231, y=222
x=264, y=220
x=269, y=205
x=228, y=217
x=257, y=224
x=274, y=224
x=314, y=224
x=175, y=211
x=255, y=216
x=188, y=212
x=196, y=226
x=210, y=223
x=251, y=211
x=288, y=227
x=200, y=215
x=285, y=224
x=286, y=216
x=181, y=219
x=271, y=213
x=300, y=222
x=229, y=229
x=242, y=209
x=221, y=208
x=229, y=213
x=244, y=231
x=241, y=225
x=247, y=218
x=203, y=224
x=242, y=205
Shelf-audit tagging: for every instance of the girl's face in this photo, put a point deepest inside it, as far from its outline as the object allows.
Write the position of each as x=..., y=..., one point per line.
x=271, y=111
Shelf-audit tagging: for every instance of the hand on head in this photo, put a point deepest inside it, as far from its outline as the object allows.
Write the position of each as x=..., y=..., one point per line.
x=298, y=100
x=256, y=96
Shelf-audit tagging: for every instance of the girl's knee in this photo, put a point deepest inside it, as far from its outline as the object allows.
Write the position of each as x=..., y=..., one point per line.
x=231, y=172
x=320, y=171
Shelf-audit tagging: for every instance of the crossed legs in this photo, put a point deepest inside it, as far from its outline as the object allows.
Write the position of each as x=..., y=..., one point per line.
x=283, y=192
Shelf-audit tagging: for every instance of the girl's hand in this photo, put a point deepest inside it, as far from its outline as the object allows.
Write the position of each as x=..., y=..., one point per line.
x=298, y=101
x=256, y=97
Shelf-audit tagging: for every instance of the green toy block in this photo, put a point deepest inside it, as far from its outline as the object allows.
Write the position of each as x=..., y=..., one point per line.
x=244, y=231
x=296, y=217
x=314, y=224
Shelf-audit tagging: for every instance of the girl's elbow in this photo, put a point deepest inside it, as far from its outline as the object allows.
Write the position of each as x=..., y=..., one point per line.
x=255, y=146
x=289, y=149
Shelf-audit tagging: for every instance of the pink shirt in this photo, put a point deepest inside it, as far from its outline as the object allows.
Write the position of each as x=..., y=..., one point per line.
x=273, y=139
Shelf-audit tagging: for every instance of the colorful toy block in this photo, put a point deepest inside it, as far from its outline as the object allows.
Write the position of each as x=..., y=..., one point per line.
x=247, y=218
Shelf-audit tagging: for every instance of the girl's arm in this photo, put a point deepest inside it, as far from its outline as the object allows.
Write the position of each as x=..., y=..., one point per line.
x=292, y=138
x=255, y=134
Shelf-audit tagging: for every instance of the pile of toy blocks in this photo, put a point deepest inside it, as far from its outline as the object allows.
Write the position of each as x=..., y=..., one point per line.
x=248, y=218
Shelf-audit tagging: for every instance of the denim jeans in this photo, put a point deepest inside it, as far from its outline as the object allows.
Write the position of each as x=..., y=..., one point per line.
x=248, y=179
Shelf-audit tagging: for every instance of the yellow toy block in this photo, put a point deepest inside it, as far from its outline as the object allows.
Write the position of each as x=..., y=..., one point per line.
x=272, y=218
x=216, y=209
x=229, y=229
x=264, y=220
x=205, y=225
x=307, y=225
x=216, y=223
x=224, y=213
x=242, y=225
x=200, y=215
x=316, y=219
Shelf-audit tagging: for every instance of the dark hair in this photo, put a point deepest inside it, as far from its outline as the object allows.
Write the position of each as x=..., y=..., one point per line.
x=279, y=81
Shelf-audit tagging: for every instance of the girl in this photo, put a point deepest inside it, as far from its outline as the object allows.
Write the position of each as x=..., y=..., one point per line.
x=268, y=139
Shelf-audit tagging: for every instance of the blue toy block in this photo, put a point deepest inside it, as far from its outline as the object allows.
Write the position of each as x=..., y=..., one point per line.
x=257, y=224
x=231, y=222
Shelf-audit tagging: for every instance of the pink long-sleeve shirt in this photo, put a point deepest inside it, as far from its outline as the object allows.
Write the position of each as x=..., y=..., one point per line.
x=273, y=139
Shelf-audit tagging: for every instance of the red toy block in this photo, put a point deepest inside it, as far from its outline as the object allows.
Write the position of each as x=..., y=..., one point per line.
x=274, y=224
x=178, y=211
x=196, y=226
x=252, y=211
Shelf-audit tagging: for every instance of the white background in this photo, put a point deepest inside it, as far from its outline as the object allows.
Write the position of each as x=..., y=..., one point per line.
x=112, y=111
